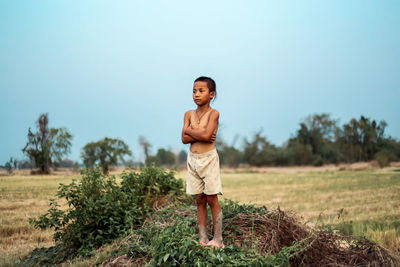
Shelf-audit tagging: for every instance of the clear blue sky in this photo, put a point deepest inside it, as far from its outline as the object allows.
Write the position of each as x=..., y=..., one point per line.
x=126, y=68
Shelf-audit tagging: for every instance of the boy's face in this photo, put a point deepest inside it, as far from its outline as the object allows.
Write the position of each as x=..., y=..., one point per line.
x=201, y=93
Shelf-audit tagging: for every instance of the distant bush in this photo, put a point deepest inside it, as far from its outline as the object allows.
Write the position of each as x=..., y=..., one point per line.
x=318, y=161
x=100, y=210
x=383, y=158
x=230, y=156
x=11, y=165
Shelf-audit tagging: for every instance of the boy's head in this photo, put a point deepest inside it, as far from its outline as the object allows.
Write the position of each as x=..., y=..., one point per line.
x=212, y=87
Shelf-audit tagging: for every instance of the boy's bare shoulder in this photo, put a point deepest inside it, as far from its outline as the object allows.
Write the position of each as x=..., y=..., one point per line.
x=188, y=113
x=215, y=113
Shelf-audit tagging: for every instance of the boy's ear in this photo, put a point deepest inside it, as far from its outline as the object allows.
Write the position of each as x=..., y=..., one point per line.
x=212, y=94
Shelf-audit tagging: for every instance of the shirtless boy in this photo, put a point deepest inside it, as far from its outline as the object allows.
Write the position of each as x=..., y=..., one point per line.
x=199, y=130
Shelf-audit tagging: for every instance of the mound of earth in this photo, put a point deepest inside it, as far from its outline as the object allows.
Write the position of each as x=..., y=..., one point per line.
x=265, y=237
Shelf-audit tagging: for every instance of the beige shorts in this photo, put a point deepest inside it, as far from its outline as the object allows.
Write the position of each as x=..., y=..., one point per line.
x=203, y=173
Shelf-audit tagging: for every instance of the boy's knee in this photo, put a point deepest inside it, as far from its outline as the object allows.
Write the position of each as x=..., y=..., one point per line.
x=201, y=200
x=212, y=200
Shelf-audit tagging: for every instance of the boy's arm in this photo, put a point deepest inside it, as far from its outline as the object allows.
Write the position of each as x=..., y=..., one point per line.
x=186, y=139
x=208, y=134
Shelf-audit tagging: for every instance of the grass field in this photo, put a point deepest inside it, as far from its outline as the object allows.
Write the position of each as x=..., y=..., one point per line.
x=365, y=202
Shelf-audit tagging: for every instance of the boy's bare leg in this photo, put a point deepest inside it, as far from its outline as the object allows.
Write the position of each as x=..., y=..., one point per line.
x=201, y=201
x=216, y=211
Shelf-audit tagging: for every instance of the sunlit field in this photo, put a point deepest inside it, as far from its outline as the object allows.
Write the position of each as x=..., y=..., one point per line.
x=365, y=202
x=22, y=197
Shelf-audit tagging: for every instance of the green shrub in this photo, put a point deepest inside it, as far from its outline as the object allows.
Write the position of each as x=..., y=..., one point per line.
x=100, y=210
x=151, y=183
x=177, y=245
x=383, y=158
x=317, y=161
x=48, y=256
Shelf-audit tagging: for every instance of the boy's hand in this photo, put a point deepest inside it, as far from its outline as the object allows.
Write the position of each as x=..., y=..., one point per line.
x=213, y=137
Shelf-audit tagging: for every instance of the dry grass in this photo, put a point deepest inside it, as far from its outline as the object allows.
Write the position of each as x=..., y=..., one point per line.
x=24, y=196
x=277, y=229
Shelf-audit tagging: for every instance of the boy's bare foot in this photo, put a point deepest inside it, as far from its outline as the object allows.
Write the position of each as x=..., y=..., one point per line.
x=214, y=243
x=203, y=243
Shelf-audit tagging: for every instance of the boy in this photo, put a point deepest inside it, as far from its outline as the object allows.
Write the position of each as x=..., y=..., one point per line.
x=200, y=129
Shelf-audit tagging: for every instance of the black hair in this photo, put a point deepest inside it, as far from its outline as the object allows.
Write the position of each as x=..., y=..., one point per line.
x=210, y=84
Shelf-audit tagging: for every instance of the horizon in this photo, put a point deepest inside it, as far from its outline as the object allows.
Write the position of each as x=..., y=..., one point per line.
x=176, y=151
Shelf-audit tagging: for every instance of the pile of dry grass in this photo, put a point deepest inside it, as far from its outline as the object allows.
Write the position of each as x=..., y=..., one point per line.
x=275, y=230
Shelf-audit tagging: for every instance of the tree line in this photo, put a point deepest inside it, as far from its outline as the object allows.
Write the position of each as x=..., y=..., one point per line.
x=47, y=147
x=318, y=140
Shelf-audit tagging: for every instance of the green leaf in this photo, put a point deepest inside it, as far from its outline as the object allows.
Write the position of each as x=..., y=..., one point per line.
x=166, y=257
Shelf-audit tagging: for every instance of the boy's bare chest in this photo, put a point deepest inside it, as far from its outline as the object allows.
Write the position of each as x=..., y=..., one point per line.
x=199, y=121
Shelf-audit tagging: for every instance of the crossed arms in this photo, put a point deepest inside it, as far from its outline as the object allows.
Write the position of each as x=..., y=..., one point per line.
x=207, y=134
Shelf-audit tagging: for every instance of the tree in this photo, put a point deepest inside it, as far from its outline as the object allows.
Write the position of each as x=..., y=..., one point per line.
x=67, y=163
x=10, y=165
x=105, y=152
x=146, y=149
x=259, y=152
x=182, y=157
x=392, y=146
x=48, y=145
x=361, y=139
x=319, y=132
x=24, y=164
x=163, y=157
x=296, y=153
x=228, y=154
